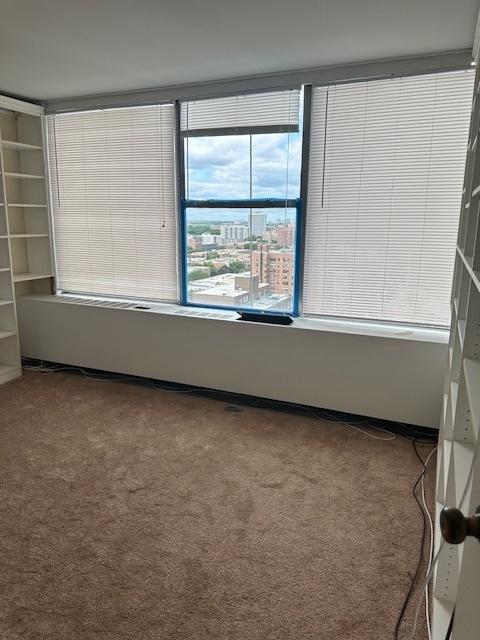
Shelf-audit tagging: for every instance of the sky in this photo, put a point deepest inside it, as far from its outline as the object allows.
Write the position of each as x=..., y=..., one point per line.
x=219, y=167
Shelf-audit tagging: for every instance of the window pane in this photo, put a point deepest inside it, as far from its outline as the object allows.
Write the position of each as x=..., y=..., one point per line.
x=276, y=162
x=217, y=167
x=263, y=165
x=385, y=183
x=242, y=148
x=241, y=258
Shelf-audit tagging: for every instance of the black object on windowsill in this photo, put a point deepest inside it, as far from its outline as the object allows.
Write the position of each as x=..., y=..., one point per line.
x=266, y=318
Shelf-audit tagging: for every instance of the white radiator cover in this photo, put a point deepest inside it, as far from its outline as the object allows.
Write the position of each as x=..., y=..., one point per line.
x=395, y=374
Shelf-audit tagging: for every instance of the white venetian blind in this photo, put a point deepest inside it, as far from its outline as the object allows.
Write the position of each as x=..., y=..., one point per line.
x=112, y=178
x=385, y=183
x=269, y=112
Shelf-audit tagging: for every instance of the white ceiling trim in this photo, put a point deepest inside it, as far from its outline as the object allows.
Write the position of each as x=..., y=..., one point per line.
x=412, y=65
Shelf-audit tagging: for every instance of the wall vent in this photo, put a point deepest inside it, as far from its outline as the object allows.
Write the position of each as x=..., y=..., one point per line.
x=95, y=302
x=115, y=304
x=198, y=313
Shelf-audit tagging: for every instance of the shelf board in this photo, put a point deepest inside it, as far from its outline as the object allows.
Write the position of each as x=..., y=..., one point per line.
x=453, y=398
x=474, y=275
x=439, y=504
x=7, y=334
x=29, y=235
x=447, y=445
x=28, y=205
x=22, y=176
x=5, y=302
x=455, y=306
x=443, y=611
x=469, y=260
x=4, y=269
x=444, y=406
x=20, y=146
x=475, y=191
x=463, y=456
x=8, y=372
x=472, y=378
x=461, y=331
x=24, y=277
x=440, y=488
x=447, y=452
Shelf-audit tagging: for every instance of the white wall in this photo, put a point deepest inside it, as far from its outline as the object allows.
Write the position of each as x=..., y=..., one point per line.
x=396, y=374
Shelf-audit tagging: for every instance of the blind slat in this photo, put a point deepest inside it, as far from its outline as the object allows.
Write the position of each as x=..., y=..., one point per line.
x=385, y=182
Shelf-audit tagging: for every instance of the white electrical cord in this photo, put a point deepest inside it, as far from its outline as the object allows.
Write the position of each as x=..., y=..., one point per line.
x=333, y=418
x=367, y=422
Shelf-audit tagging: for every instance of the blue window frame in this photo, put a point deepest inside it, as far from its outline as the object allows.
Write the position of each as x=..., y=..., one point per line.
x=240, y=207
x=270, y=282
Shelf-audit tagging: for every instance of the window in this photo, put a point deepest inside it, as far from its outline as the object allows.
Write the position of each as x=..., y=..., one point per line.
x=241, y=208
x=114, y=205
x=386, y=170
x=384, y=189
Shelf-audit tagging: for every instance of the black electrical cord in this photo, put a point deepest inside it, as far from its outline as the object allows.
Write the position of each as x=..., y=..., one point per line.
x=422, y=544
x=450, y=625
x=408, y=432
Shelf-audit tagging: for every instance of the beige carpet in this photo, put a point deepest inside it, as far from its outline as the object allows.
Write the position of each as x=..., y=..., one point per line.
x=134, y=514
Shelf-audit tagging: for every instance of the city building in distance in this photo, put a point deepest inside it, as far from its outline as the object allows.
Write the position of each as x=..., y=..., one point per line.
x=243, y=263
x=274, y=267
x=259, y=223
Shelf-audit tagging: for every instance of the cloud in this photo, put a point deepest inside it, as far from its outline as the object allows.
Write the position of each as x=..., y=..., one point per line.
x=219, y=167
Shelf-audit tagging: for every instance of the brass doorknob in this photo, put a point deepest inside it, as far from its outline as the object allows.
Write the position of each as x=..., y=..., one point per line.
x=455, y=527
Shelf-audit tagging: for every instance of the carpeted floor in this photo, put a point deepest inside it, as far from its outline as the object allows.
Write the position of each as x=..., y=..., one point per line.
x=134, y=514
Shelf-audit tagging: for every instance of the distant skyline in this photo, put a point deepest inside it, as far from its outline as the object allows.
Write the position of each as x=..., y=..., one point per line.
x=198, y=216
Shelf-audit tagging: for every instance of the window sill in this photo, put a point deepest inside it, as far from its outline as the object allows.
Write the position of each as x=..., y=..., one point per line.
x=304, y=323
x=377, y=329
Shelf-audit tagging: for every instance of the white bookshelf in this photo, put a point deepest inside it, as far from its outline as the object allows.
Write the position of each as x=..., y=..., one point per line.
x=25, y=244
x=458, y=468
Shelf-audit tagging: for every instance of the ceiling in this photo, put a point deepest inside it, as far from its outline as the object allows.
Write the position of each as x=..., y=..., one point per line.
x=64, y=48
